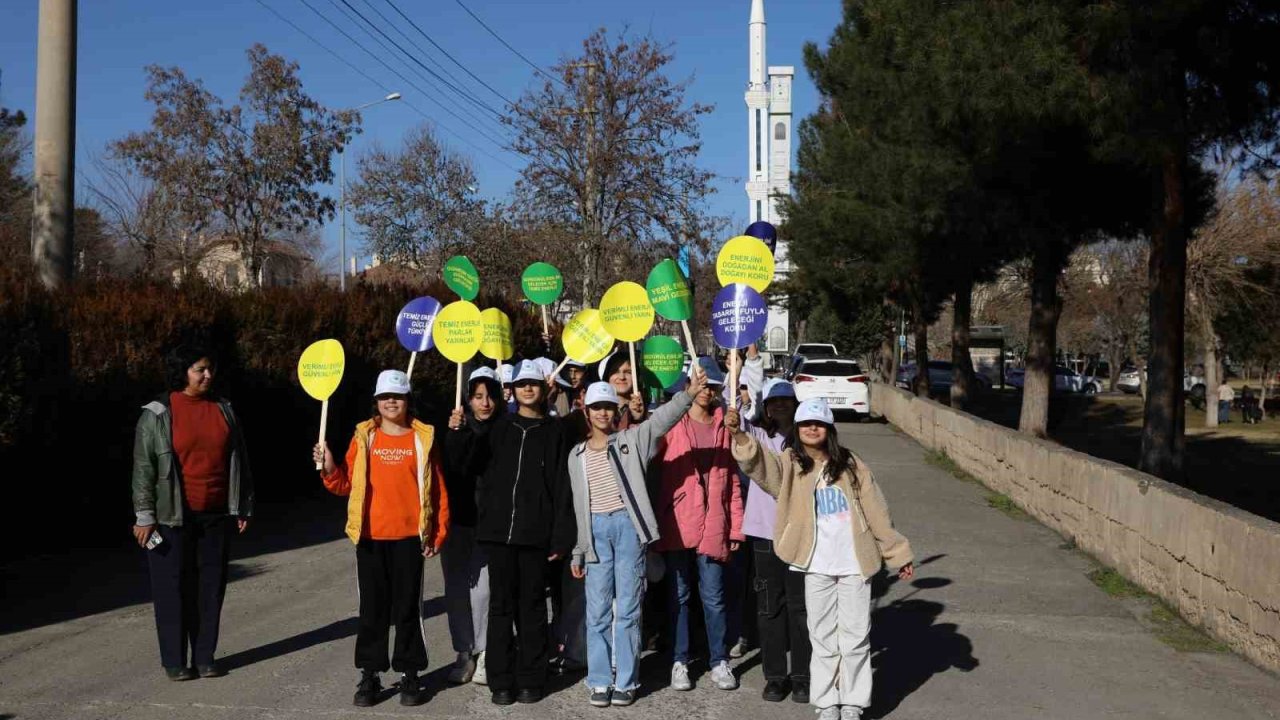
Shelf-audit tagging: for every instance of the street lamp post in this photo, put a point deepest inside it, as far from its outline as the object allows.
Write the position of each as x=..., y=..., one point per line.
x=342, y=197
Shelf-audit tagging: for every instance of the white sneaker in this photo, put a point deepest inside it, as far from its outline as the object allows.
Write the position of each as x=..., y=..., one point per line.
x=463, y=669
x=850, y=712
x=723, y=677
x=480, y=677
x=740, y=648
x=830, y=713
x=680, y=677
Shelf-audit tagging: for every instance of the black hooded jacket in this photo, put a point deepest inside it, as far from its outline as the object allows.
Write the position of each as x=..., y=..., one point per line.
x=523, y=493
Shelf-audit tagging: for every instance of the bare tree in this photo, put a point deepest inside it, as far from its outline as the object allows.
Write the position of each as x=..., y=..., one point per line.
x=1241, y=235
x=418, y=204
x=612, y=149
x=255, y=166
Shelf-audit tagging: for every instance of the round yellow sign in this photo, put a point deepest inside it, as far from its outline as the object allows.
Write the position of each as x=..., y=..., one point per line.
x=626, y=312
x=496, y=343
x=745, y=260
x=320, y=368
x=585, y=338
x=458, y=331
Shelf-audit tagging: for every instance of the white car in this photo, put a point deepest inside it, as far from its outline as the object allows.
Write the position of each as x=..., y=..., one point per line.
x=840, y=381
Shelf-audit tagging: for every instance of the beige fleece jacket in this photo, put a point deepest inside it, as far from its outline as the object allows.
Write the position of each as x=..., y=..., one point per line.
x=875, y=541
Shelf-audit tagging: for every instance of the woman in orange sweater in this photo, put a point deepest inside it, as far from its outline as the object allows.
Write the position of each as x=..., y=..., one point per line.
x=397, y=514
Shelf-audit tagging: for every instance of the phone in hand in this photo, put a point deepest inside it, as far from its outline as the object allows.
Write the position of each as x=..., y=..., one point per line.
x=154, y=539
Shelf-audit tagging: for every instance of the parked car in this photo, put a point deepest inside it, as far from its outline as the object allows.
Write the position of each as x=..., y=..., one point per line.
x=816, y=350
x=941, y=373
x=1064, y=380
x=839, y=380
x=1130, y=381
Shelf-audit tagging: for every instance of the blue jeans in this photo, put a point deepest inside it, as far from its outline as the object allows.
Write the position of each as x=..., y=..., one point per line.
x=617, y=574
x=710, y=588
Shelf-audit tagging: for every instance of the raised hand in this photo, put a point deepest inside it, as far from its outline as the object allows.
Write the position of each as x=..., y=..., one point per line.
x=321, y=455
x=697, y=381
x=732, y=420
x=456, y=418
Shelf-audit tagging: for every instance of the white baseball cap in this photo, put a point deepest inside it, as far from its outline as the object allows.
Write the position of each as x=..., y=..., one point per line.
x=482, y=372
x=392, y=382
x=600, y=392
x=528, y=370
x=778, y=388
x=814, y=409
x=547, y=365
x=506, y=372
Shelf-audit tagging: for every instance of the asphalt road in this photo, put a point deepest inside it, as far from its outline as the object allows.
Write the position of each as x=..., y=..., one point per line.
x=1001, y=622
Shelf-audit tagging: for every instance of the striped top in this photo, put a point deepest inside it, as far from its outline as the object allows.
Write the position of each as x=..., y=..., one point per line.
x=602, y=484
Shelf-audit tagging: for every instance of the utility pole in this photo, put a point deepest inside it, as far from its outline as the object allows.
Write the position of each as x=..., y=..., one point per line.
x=53, y=213
x=590, y=221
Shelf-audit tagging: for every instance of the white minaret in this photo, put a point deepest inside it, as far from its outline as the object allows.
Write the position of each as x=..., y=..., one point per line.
x=769, y=156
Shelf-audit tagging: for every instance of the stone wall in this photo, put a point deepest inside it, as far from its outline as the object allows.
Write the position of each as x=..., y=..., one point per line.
x=1216, y=564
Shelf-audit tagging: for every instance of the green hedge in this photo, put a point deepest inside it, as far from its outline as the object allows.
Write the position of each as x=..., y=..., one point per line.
x=76, y=367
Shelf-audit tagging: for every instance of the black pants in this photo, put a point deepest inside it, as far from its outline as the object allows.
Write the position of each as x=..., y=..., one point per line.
x=781, y=615
x=740, y=602
x=390, y=577
x=517, y=600
x=568, y=612
x=188, y=583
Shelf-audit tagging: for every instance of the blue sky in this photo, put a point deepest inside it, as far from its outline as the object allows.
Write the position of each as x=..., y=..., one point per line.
x=208, y=40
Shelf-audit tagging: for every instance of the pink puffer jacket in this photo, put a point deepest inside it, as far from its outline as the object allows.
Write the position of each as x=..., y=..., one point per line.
x=691, y=516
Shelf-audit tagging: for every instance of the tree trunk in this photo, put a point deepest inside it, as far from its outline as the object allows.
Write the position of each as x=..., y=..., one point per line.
x=1210, y=373
x=962, y=383
x=1115, y=356
x=921, y=327
x=889, y=350
x=1164, y=419
x=1047, y=262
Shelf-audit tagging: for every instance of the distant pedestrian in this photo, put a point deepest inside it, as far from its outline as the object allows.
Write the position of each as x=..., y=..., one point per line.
x=834, y=525
x=1225, y=397
x=192, y=491
x=397, y=514
x=616, y=523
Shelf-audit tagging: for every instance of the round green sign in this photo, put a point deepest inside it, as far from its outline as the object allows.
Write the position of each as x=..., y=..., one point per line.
x=669, y=291
x=461, y=277
x=663, y=356
x=542, y=283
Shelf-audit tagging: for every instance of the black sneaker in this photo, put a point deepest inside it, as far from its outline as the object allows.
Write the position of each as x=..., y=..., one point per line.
x=600, y=697
x=410, y=690
x=180, y=674
x=774, y=691
x=528, y=696
x=503, y=697
x=212, y=670
x=800, y=691
x=623, y=698
x=368, y=690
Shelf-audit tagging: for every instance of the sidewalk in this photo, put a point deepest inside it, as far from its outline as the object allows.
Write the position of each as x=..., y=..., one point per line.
x=1001, y=622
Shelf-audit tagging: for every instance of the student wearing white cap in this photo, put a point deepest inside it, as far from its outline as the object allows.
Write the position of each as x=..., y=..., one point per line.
x=780, y=611
x=525, y=519
x=463, y=562
x=616, y=524
x=834, y=525
x=397, y=514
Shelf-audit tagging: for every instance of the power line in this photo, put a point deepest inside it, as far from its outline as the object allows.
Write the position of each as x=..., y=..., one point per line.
x=507, y=45
x=446, y=54
x=381, y=85
x=455, y=88
x=413, y=58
